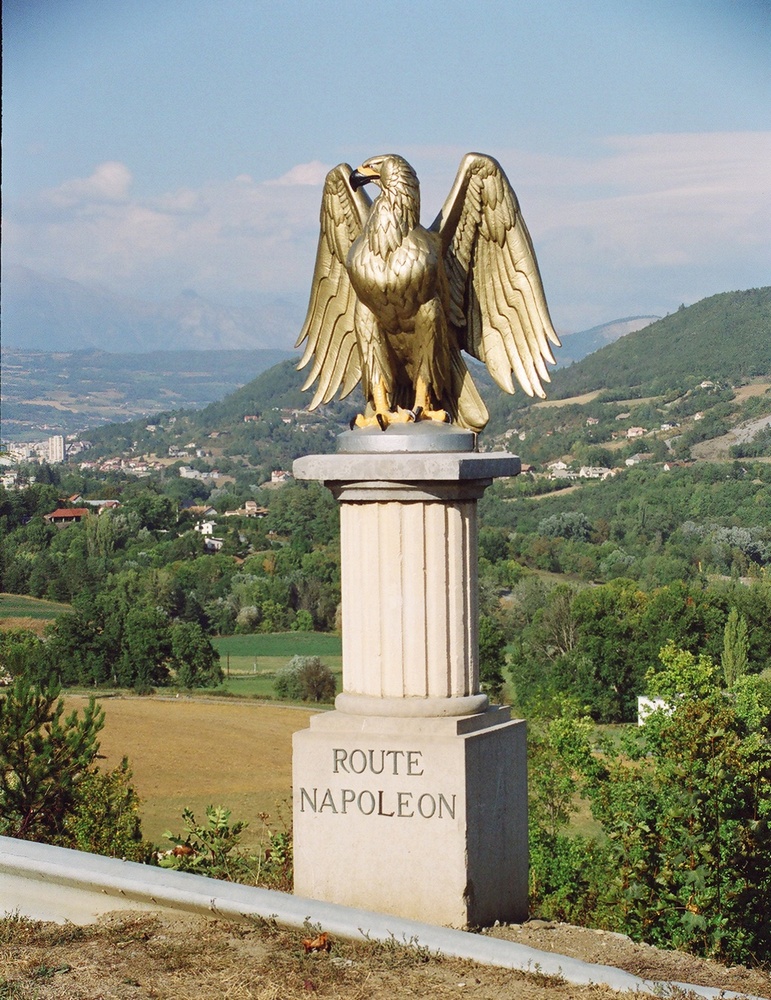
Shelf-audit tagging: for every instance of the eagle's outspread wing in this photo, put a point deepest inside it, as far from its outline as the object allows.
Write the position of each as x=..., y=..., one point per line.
x=497, y=302
x=329, y=325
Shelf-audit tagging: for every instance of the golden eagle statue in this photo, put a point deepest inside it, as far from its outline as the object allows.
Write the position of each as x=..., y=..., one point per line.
x=393, y=304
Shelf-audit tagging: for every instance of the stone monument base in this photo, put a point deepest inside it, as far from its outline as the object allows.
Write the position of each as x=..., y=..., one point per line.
x=424, y=818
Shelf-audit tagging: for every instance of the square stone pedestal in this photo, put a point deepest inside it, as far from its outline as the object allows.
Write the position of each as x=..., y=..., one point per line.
x=425, y=818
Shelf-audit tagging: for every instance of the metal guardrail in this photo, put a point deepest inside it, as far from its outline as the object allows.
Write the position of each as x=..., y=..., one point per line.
x=54, y=883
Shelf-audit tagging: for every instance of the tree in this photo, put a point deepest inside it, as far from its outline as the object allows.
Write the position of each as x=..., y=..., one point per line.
x=152, y=510
x=79, y=650
x=572, y=524
x=44, y=759
x=101, y=533
x=196, y=661
x=611, y=666
x=146, y=648
x=683, y=675
x=492, y=656
x=735, y=648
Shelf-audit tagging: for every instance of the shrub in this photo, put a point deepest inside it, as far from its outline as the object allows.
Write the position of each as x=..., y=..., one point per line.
x=213, y=848
x=305, y=678
x=686, y=803
x=568, y=876
x=106, y=818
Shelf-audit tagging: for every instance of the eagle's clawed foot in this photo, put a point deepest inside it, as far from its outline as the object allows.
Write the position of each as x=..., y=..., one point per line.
x=440, y=416
x=400, y=415
x=384, y=419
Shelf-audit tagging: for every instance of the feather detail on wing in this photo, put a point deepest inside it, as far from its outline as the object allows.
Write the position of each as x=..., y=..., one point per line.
x=329, y=324
x=497, y=303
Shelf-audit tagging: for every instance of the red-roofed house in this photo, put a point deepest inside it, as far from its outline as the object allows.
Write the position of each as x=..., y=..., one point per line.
x=66, y=515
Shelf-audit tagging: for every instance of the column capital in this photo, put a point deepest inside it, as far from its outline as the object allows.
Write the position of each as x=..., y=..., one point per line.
x=407, y=467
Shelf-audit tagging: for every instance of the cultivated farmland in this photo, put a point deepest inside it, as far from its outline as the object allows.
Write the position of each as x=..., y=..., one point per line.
x=250, y=662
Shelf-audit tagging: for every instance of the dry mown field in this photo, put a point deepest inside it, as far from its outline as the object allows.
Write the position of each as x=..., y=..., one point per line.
x=197, y=752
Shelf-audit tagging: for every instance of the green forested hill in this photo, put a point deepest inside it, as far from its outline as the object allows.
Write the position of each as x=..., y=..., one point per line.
x=726, y=337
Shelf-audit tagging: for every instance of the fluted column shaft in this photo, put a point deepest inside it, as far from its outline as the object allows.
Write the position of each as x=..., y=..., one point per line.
x=409, y=585
x=408, y=540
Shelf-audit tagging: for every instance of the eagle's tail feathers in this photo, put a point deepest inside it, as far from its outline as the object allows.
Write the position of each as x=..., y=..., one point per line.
x=471, y=410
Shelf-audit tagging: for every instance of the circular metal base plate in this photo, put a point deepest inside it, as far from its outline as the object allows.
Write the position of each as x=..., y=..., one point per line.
x=422, y=436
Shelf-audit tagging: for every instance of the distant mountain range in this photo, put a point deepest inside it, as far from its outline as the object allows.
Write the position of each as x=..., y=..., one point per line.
x=725, y=337
x=577, y=345
x=55, y=314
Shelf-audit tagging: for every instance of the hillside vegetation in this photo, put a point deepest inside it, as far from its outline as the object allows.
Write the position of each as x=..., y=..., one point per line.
x=726, y=337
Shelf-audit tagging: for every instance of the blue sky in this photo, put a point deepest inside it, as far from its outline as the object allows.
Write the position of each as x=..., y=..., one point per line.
x=151, y=146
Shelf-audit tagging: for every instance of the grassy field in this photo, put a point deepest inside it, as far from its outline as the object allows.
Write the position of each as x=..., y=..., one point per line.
x=17, y=611
x=194, y=752
x=250, y=662
x=283, y=645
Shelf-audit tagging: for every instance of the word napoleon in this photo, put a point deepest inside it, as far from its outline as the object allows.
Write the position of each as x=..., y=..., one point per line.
x=401, y=804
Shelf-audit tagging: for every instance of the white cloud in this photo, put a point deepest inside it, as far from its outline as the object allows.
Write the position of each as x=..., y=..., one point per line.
x=304, y=173
x=222, y=239
x=110, y=182
x=659, y=200
x=640, y=224
x=650, y=221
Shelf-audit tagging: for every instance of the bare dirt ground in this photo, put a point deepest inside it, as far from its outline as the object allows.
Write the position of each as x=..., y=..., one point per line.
x=131, y=956
x=717, y=449
x=607, y=948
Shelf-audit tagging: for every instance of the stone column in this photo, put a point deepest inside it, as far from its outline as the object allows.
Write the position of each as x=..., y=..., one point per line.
x=410, y=797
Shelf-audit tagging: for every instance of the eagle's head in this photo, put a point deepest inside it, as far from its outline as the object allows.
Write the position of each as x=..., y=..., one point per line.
x=398, y=183
x=390, y=172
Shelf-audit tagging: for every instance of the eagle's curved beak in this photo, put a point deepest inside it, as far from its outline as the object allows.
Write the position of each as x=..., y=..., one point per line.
x=358, y=179
x=361, y=176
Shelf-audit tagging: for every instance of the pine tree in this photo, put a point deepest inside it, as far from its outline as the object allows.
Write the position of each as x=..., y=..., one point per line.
x=43, y=759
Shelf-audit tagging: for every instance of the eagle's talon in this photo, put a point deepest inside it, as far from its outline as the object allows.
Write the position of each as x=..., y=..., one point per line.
x=417, y=412
x=382, y=421
x=352, y=422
